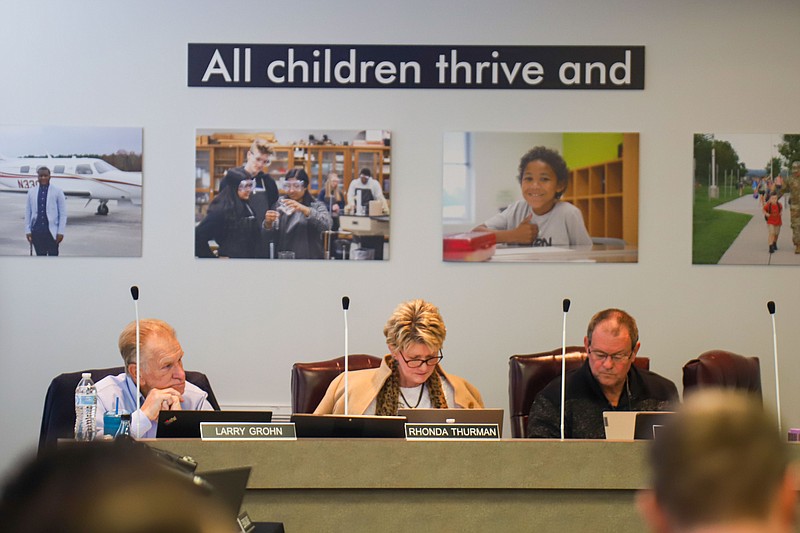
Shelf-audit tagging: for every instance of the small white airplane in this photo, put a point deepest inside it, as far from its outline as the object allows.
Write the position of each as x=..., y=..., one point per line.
x=81, y=177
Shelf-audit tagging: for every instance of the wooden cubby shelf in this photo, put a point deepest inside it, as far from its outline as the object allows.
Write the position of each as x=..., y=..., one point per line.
x=607, y=194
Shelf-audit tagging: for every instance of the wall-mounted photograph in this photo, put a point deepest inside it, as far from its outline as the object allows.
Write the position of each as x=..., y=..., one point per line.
x=534, y=197
x=293, y=194
x=71, y=191
x=745, y=187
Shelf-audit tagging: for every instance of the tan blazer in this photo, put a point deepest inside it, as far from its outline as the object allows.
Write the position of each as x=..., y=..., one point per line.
x=365, y=385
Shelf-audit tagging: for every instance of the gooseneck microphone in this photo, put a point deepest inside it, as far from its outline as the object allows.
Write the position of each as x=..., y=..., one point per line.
x=345, y=307
x=565, y=307
x=135, y=296
x=771, y=309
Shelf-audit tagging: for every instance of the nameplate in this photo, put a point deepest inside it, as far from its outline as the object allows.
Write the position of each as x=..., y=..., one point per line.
x=245, y=524
x=452, y=431
x=247, y=431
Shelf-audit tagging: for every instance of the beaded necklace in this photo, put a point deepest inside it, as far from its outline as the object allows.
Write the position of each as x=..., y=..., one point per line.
x=408, y=404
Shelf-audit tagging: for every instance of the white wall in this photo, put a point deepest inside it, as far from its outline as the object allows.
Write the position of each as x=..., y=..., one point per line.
x=245, y=322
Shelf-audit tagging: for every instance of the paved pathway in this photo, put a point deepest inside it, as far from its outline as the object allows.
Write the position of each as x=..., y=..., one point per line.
x=750, y=247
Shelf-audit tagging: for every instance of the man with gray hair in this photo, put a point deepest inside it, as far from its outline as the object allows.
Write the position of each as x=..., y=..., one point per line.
x=163, y=381
x=720, y=465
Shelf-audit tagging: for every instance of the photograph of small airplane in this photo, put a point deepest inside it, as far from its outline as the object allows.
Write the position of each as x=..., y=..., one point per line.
x=78, y=177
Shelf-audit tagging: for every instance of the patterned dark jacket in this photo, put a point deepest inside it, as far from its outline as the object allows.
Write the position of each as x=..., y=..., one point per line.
x=585, y=403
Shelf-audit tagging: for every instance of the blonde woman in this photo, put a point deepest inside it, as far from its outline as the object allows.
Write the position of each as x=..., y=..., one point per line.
x=331, y=195
x=410, y=376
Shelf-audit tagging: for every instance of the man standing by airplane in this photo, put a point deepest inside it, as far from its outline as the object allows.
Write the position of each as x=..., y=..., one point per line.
x=45, y=215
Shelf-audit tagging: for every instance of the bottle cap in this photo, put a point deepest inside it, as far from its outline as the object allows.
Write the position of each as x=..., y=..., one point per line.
x=125, y=416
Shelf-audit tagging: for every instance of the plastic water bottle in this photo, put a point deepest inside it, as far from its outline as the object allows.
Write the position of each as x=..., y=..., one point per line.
x=85, y=408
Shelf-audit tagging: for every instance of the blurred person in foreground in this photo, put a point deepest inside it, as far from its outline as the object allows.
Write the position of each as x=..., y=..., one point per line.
x=108, y=487
x=720, y=464
x=410, y=376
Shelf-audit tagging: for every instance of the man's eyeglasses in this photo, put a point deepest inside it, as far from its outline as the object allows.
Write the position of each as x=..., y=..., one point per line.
x=430, y=361
x=616, y=357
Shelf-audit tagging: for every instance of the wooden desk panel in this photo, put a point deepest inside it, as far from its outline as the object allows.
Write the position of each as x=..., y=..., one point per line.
x=393, y=485
x=333, y=485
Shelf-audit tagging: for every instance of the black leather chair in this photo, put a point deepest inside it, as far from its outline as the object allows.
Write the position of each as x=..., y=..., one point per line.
x=530, y=373
x=310, y=381
x=58, y=417
x=720, y=368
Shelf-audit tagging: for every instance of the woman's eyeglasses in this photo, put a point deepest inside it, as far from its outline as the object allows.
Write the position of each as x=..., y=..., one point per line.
x=430, y=361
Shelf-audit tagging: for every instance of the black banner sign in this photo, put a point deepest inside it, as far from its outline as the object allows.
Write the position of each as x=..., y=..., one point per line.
x=416, y=67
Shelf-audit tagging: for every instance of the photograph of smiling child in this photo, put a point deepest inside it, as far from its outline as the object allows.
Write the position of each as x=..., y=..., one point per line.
x=539, y=218
x=540, y=196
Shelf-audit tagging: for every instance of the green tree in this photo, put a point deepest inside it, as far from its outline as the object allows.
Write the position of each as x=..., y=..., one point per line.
x=790, y=149
x=774, y=165
x=702, y=157
x=727, y=159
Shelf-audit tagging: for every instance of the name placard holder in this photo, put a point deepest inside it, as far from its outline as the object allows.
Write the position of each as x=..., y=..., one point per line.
x=452, y=432
x=247, y=431
x=245, y=524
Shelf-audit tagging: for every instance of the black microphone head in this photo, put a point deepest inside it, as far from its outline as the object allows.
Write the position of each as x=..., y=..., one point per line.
x=565, y=304
x=135, y=292
x=345, y=303
x=771, y=307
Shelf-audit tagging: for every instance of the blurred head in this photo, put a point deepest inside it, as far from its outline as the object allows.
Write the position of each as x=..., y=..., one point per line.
x=160, y=353
x=611, y=342
x=44, y=175
x=364, y=175
x=333, y=181
x=123, y=489
x=543, y=176
x=415, y=334
x=332, y=190
x=296, y=185
x=720, y=461
x=258, y=156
